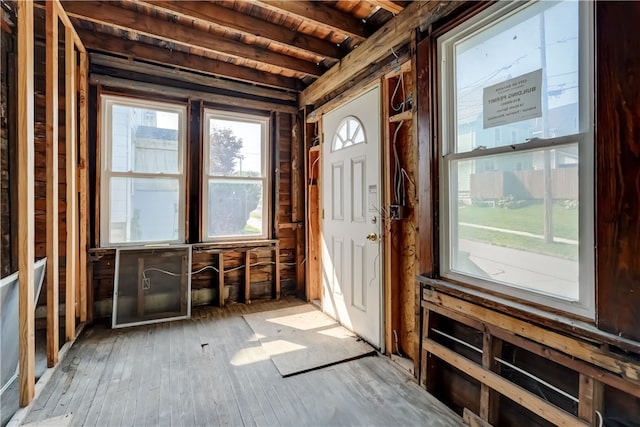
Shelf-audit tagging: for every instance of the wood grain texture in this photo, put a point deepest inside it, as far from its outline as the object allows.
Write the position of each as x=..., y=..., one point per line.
x=83, y=180
x=247, y=24
x=428, y=160
x=582, y=350
x=504, y=387
x=105, y=43
x=71, y=196
x=26, y=233
x=210, y=370
x=52, y=202
x=618, y=175
x=394, y=34
x=173, y=32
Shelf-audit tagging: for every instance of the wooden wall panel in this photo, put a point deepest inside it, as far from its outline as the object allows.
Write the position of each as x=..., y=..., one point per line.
x=618, y=168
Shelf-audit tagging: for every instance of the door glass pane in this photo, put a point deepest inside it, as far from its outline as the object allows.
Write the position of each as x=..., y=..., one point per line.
x=510, y=227
x=235, y=208
x=144, y=140
x=519, y=78
x=143, y=209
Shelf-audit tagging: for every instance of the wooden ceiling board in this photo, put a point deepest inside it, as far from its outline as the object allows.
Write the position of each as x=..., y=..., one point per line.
x=294, y=41
x=144, y=24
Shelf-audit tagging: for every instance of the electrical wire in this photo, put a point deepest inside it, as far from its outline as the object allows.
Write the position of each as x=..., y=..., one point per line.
x=311, y=237
x=210, y=267
x=398, y=178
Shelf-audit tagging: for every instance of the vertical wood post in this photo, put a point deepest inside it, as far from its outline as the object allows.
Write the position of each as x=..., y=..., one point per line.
x=26, y=234
x=220, y=279
x=276, y=270
x=83, y=182
x=300, y=267
x=247, y=277
x=589, y=399
x=52, y=185
x=489, y=399
x=72, y=220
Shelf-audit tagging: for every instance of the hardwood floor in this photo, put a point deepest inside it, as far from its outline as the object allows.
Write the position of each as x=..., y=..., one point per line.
x=211, y=370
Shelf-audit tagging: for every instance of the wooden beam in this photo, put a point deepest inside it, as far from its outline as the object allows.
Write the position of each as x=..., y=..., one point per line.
x=26, y=233
x=320, y=14
x=247, y=277
x=190, y=77
x=556, y=356
x=519, y=395
x=220, y=279
x=579, y=349
x=62, y=15
x=223, y=17
x=83, y=184
x=52, y=185
x=111, y=44
x=388, y=5
x=393, y=35
x=106, y=14
x=114, y=82
x=71, y=199
x=590, y=399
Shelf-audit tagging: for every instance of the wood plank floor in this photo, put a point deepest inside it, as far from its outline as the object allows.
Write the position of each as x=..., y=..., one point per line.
x=211, y=370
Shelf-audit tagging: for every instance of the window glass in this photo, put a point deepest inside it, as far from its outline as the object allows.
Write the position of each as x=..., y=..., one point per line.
x=142, y=173
x=235, y=177
x=517, y=195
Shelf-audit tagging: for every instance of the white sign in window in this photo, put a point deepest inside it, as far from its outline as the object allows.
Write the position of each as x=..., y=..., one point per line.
x=513, y=100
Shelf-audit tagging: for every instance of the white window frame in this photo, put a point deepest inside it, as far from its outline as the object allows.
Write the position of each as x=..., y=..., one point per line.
x=264, y=179
x=585, y=305
x=106, y=108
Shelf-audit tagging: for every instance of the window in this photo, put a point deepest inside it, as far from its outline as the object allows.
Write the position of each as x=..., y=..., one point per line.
x=235, y=183
x=142, y=173
x=517, y=213
x=350, y=132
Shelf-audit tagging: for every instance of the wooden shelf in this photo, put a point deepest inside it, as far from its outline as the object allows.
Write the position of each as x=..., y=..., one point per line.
x=405, y=115
x=315, y=148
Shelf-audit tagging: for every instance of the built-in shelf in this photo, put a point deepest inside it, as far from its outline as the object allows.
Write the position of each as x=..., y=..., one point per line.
x=405, y=115
x=315, y=148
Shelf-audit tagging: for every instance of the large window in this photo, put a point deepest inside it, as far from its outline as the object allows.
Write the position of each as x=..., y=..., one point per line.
x=235, y=183
x=516, y=123
x=142, y=174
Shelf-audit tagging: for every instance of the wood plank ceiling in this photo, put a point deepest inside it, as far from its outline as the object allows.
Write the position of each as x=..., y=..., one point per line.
x=265, y=45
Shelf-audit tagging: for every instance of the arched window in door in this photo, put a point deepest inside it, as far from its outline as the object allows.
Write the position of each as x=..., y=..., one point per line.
x=350, y=132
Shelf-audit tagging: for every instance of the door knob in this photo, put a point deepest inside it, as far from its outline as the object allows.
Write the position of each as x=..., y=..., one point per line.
x=373, y=237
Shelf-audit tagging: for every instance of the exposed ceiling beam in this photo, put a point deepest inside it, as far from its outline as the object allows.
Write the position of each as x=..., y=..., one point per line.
x=106, y=14
x=106, y=43
x=189, y=77
x=394, y=34
x=115, y=82
x=228, y=18
x=320, y=14
x=388, y=5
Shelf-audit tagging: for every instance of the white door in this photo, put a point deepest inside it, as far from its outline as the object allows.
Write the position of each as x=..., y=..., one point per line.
x=351, y=227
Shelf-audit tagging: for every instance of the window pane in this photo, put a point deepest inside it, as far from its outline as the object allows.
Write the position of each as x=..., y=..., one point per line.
x=144, y=140
x=235, y=208
x=519, y=78
x=510, y=227
x=235, y=148
x=143, y=210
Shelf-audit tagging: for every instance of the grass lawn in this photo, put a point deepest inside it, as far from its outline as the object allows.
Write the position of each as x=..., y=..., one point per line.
x=529, y=219
x=530, y=244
